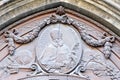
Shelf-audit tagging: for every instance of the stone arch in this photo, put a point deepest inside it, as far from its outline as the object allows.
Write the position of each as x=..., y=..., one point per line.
x=80, y=14
x=89, y=9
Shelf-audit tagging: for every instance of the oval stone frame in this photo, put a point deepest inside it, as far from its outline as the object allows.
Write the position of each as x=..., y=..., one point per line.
x=45, y=48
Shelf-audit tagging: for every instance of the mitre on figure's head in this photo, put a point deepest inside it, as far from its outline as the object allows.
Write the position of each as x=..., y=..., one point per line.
x=56, y=34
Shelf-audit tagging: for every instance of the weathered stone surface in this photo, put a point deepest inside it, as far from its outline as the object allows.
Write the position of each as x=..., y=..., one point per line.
x=97, y=10
x=61, y=45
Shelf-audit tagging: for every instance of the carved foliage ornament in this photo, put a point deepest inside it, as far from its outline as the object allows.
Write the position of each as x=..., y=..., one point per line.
x=59, y=17
x=62, y=18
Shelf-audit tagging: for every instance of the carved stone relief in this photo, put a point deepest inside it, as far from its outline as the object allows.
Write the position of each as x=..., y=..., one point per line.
x=59, y=53
x=58, y=49
x=99, y=68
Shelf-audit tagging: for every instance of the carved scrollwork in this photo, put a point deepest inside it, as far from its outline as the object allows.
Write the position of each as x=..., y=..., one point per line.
x=36, y=68
x=15, y=68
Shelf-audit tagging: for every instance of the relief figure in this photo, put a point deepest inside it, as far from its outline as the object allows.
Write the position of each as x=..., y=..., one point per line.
x=57, y=55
